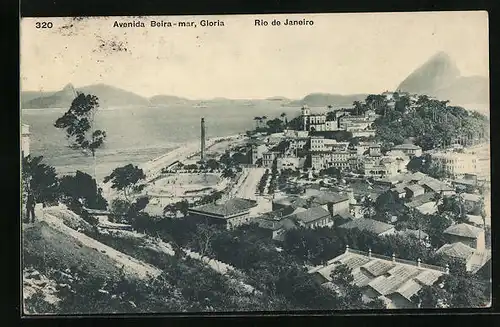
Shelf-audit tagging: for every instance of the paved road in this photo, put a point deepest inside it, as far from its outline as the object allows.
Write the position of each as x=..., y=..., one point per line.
x=248, y=187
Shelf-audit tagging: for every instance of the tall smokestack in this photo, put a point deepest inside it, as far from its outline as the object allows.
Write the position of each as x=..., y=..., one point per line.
x=202, y=152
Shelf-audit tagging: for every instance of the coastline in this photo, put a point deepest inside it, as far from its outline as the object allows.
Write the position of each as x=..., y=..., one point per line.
x=152, y=168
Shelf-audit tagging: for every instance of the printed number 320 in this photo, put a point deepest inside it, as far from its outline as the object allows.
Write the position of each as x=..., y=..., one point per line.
x=43, y=25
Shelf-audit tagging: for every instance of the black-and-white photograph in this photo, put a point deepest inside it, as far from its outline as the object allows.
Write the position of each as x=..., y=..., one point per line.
x=249, y=163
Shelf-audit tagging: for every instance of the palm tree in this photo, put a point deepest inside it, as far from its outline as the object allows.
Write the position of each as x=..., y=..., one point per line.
x=257, y=121
x=263, y=119
x=368, y=209
x=437, y=198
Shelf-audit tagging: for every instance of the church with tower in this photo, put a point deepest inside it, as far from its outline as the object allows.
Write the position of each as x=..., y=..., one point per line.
x=319, y=121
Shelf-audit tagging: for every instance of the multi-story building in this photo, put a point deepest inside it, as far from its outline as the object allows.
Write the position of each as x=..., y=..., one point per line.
x=258, y=152
x=456, y=163
x=410, y=150
x=317, y=121
x=363, y=132
x=25, y=140
x=381, y=166
x=268, y=158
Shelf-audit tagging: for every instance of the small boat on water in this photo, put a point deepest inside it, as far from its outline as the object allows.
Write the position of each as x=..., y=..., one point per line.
x=200, y=105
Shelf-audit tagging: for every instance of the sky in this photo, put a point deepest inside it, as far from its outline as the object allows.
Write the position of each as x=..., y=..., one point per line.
x=340, y=53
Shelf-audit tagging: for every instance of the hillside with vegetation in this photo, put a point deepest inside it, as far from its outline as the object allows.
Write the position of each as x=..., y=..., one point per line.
x=430, y=122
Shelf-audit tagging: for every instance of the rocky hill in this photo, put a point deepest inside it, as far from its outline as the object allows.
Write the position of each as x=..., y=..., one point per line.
x=57, y=99
x=109, y=96
x=440, y=77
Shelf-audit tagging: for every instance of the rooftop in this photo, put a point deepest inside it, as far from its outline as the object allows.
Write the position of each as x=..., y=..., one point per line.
x=478, y=220
x=436, y=185
x=465, y=181
x=226, y=209
x=421, y=200
x=285, y=223
x=293, y=201
x=310, y=215
x=456, y=250
x=407, y=146
x=464, y=230
x=415, y=188
x=415, y=232
x=400, y=188
x=477, y=260
x=369, y=225
x=471, y=197
x=329, y=197
x=383, y=274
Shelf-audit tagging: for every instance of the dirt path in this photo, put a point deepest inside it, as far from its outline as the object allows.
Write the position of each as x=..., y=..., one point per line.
x=130, y=264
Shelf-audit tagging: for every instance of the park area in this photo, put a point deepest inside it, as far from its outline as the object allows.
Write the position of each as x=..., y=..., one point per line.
x=181, y=186
x=184, y=184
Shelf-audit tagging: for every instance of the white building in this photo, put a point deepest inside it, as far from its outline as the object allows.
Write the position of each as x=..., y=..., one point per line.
x=410, y=150
x=25, y=140
x=456, y=163
x=317, y=121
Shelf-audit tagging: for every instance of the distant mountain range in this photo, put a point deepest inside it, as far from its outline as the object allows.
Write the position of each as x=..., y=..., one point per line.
x=438, y=77
x=325, y=99
x=108, y=96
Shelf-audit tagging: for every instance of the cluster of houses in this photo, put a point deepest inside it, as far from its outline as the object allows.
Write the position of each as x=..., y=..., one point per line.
x=322, y=153
x=392, y=279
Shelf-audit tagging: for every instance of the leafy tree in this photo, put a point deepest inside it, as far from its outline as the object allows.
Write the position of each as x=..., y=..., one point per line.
x=429, y=297
x=126, y=179
x=359, y=108
x=350, y=293
x=258, y=120
x=458, y=289
x=455, y=206
x=228, y=173
x=296, y=123
x=388, y=204
x=39, y=180
x=203, y=238
x=82, y=189
x=332, y=172
x=78, y=122
x=138, y=205
x=120, y=207
x=213, y=164
x=240, y=158
x=275, y=125
x=402, y=104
